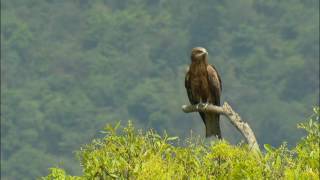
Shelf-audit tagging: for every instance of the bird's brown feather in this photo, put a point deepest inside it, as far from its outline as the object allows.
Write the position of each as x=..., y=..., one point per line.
x=203, y=84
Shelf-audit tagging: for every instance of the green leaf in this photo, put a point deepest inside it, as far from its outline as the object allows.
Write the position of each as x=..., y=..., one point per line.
x=268, y=148
x=172, y=138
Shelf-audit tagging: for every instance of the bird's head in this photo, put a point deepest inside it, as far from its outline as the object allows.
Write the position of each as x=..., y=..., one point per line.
x=198, y=54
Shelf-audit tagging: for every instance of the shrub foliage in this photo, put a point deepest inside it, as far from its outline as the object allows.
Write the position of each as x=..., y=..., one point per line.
x=127, y=153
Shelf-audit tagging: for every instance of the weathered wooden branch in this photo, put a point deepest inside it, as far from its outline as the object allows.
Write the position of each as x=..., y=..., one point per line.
x=234, y=117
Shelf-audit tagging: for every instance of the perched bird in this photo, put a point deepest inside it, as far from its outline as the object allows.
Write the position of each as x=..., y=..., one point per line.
x=203, y=85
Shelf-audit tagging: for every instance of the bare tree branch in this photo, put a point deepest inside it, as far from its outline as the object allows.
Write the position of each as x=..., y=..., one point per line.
x=234, y=118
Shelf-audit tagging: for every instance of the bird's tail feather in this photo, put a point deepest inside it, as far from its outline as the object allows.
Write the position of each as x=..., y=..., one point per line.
x=213, y=125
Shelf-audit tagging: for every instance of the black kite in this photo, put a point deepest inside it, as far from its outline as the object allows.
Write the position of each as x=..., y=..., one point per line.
x=203, y=85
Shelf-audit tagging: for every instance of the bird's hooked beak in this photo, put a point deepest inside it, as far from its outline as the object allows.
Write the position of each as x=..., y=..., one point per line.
x=203, y=52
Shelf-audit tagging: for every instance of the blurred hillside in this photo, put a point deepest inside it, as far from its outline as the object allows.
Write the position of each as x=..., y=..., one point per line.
x=70, y=67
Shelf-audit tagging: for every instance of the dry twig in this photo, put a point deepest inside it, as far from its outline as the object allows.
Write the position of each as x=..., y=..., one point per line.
x=234, y=117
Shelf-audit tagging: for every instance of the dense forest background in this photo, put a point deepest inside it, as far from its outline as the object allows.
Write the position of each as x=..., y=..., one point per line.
x=70, y=67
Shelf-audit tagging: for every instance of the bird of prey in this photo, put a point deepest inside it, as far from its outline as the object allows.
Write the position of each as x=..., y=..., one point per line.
x=203, y=85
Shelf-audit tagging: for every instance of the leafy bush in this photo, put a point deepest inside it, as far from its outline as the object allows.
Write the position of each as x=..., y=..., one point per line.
x=132, y=154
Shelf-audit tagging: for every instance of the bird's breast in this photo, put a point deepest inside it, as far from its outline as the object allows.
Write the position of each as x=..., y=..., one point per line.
x=200, y=87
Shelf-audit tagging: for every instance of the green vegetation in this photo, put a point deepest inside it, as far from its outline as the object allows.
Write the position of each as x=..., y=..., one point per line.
x=70, y=67
x=132, y=154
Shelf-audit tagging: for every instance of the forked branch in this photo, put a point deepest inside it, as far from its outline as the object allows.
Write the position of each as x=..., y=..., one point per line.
x=234, y=117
